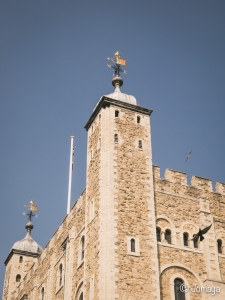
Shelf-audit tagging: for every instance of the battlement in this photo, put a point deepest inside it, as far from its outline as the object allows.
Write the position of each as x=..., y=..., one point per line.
x=220, y=188
x=202, y=183
x=175, y=176
x=196, y=181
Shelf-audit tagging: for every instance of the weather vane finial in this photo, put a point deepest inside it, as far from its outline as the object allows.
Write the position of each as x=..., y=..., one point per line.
x=31, y=208
x=118, y=61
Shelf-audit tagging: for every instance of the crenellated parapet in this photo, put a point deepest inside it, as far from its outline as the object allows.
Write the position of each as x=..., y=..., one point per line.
x=197, y=182
x=199, y=196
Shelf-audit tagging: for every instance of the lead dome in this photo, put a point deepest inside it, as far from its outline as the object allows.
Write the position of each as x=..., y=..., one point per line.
x=27, y=243
x=117, y=82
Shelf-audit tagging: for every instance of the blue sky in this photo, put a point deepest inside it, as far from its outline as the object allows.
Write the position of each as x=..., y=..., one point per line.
x=53, y=71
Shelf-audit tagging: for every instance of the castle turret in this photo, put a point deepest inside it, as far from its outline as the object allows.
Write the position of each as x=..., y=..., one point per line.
x=20, y=259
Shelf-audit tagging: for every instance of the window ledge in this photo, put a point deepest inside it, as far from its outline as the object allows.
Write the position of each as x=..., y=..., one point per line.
x=59, y=289
x=221, y=255
x=134, y=253
x=181, y=248
x=80, y=264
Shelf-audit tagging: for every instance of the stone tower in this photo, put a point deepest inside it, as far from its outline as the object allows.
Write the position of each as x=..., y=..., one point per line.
x=20, y=259
x=120, y=195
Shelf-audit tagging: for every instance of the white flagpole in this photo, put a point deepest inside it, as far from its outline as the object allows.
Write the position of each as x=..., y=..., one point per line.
x=70, y=174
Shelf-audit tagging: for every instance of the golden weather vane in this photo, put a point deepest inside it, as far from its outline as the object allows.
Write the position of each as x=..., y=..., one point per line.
x=31, y=208
x=118, y=62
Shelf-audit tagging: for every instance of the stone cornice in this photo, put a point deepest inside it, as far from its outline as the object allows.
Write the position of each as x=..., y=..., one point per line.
x=20, y=252
x=106, y=102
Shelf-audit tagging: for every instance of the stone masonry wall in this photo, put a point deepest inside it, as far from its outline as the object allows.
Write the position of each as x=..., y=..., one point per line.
x=167, y=286
x=222, y=267
x=132, y=184
x=14, y=268
x=190, y=259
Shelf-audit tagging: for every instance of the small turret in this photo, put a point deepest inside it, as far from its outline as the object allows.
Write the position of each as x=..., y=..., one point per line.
x=21, y=257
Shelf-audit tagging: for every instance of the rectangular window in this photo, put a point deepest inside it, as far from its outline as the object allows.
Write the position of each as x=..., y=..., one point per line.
x=133, y=246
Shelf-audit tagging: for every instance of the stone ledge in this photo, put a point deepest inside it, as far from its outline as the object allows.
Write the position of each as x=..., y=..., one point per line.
x=180, y=248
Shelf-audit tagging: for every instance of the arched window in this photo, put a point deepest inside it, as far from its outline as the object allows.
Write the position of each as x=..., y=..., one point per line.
x=116, y=138
x=132, y=245
x=168, y=236
x=42, y=294
x=21, y=259
x=81, y=296
x=179, y=295
x=60, y=274
x=140, y=144
x=158, y=234
x=138, y=119
x=82, y=247
x=219, y=246
x=100, y=117
x=18, y=278
x=185, y=238
x=92, y=128
x=116, y=113
x=195, y=244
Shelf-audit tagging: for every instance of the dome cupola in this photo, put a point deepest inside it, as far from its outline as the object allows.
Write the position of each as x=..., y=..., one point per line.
x=117, y=82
